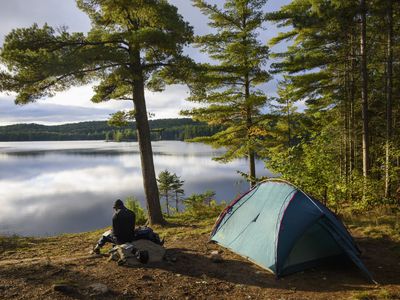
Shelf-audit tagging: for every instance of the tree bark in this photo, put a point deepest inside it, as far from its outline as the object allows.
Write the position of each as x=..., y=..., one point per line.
x=167, y=203
x=176, y=202
x=144, y=139
x=352, y=134
x=249, y=123
x=364, y=90
x=389, y=91
x=288, y=123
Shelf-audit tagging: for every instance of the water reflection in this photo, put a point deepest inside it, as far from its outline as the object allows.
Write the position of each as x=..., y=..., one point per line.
x=56, y=187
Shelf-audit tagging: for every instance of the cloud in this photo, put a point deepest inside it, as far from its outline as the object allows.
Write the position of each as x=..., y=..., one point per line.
x=74, y=105
x=44, y=113
x=22, y=13
x=168, y=103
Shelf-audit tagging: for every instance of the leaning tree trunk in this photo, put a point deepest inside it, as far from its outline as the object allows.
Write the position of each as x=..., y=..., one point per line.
x=146, y=152
x=364, y=91
x=389, y=86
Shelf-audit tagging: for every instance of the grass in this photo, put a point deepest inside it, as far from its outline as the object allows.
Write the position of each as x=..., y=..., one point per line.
x=65, y=282
x=181, y=227
x=381, y=294
x=378, y=224
x=15, y=243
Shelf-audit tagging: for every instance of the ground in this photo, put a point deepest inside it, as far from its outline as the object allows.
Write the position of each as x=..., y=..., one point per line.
x=30, y=267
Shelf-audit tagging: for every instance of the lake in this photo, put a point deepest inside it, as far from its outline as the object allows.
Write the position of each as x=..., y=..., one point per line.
x=49, y=188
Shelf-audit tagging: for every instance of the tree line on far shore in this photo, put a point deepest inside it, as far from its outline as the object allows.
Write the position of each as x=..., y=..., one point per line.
x=162, y=129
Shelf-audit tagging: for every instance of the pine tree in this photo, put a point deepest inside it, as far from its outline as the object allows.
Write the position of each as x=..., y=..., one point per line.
x=177, y=190
x=228, y=87
x=340, y=64
x=166, y=186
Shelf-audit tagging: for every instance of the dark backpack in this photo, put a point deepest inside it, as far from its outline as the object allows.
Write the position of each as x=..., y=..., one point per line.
x=146, y=233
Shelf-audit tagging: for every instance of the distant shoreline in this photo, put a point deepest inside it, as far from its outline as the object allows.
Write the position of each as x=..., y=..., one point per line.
x=178, y=129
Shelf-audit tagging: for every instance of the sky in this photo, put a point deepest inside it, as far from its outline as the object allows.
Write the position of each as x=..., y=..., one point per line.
x=74, y=105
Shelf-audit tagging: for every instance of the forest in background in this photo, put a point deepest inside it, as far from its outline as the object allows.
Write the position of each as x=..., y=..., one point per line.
x=343, y=66
x=162, y=129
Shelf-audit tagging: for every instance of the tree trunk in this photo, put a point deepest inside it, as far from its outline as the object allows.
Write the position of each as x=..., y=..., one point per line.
x=249, y=123
x=167, y=202
x=389, y=87
x=364, y=90
x=288, y=123
x=146, y=152
x=352, y=134
x=252, y=166
x=176, y=202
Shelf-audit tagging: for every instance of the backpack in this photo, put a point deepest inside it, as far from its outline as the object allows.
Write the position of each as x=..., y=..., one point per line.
x=139, y=252
x=146, y=233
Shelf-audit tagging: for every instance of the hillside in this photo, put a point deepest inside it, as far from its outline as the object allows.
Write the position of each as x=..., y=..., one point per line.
x=162, y=129
x=30, y=267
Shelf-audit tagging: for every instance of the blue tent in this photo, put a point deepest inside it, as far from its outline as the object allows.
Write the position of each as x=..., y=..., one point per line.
x=280, y=228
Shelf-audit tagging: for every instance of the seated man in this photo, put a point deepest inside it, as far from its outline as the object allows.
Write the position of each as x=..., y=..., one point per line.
x=123, y=227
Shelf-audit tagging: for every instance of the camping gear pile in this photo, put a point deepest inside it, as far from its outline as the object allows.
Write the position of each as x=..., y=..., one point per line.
x=282, y=229
x=146, y=248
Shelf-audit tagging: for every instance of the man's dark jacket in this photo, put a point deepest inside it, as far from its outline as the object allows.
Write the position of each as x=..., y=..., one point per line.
x=123, y=225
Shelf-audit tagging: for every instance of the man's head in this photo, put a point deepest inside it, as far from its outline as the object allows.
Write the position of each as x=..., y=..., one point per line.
x=118, y=204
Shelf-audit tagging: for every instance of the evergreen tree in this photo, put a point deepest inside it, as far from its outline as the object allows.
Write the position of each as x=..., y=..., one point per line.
x=177, y=190
x=229, y=87
x=339, y=64
x=166, y=182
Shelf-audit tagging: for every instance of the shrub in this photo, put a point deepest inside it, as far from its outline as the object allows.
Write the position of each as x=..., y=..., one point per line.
x=202, y=206
x=133, y=204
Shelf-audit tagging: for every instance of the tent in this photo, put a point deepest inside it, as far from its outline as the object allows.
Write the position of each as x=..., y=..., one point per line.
x=282, y=229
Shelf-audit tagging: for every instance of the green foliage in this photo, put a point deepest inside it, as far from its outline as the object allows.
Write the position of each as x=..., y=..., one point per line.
x=133, y=204
x=177, y=189
x=165, y=185
x=228, y=88
x=170, y=188
x=42, y=61
x=202, y=206
x=121, y=118
x=320, y=148
x=311, y=166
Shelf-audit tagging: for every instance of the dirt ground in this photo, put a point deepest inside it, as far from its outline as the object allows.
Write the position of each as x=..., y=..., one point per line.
x=30, y=267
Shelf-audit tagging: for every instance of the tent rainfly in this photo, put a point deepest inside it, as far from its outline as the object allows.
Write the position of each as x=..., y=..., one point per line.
x=282, y=229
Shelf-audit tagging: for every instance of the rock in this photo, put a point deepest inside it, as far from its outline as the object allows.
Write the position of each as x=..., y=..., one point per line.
x=98, y=289
x=125, y=292
x=216, y=257
x=63, y=288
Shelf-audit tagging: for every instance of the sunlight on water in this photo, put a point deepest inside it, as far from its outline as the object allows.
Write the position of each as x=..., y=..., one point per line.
x=56, y=187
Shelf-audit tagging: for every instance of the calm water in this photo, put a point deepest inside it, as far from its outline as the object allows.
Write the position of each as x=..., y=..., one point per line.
x=57, y=187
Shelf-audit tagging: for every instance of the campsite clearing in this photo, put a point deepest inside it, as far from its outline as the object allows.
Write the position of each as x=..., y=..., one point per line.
x=31, y=268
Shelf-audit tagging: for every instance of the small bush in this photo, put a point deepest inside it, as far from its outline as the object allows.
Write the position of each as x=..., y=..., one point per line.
x=133, y=204
x=13, y=242
x=202, y=206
